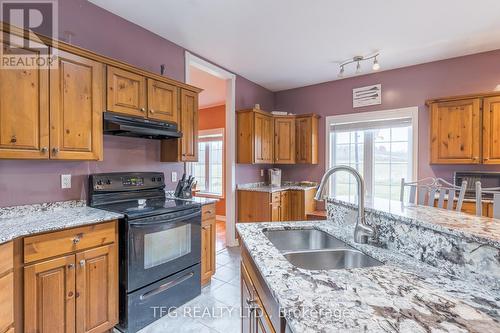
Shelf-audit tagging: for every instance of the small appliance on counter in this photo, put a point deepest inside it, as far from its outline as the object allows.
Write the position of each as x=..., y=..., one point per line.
x=274, y=177
x=487, y=179
x=184, y=189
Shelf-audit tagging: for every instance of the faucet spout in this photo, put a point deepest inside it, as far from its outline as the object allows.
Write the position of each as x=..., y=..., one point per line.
x=362, y=231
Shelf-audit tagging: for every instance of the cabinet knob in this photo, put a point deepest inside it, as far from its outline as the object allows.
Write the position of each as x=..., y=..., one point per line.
x=82, y=263
x=44, y=149
x=143, y=109
x=76, y=240
x=71, y=266
x=13, y=139
x=152, y=111
x=55, y=150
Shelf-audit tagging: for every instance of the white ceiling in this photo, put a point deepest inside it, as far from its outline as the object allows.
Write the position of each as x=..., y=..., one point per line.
x=214, y=89
x=282, y=44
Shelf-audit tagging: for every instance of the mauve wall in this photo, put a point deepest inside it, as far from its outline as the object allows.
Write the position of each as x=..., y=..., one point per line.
x=24, y=182
x=404, y=87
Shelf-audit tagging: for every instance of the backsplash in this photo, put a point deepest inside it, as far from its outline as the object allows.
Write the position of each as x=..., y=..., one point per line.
x=455, y=254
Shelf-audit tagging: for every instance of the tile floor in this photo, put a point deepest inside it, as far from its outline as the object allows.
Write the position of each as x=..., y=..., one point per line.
x=216, y=310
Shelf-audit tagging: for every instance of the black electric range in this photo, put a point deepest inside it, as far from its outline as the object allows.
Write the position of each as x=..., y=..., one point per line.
x=159, y=244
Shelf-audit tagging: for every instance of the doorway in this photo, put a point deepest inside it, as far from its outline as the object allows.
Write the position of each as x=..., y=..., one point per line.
x=215, y=170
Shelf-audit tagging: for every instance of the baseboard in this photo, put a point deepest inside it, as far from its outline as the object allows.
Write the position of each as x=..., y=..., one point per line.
x=220, y=218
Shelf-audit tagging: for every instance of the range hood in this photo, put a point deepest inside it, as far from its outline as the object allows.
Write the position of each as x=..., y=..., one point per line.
x=120, y=125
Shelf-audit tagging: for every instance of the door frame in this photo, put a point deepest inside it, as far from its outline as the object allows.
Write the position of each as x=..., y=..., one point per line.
x=230, y=137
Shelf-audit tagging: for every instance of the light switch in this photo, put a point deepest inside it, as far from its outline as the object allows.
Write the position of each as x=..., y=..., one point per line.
x=65, y=181
x=262, y=172
x=174, y=176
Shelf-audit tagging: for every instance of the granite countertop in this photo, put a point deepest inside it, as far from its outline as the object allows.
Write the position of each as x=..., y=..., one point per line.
x=19, y=221
x=201, y=200
x=262, y=187
x=403, y=295
x=483, y=230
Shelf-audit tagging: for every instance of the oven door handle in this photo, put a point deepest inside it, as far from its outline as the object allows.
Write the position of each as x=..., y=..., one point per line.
x=166, y=286
x=164, y=221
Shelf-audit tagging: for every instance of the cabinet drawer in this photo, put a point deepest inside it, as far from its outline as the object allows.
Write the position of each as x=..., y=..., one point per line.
x=276, y=197
x=6, y=257
x=208, y=212
x=6, y=301
x=66, y=241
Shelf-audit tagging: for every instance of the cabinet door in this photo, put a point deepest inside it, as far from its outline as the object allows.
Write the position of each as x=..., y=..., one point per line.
x=96, y=289
x=126, y=92
x=49, y=296
x=306, y=140
x=76, y=106
x=207, y=250
x=247, y=303
x=264, y=132
x=491, y=130
x=285, y=206
x=24, y=108
x=162, y=101
x=297, y=211
x=284, y=140
x=189, y=126
x=455, y=132
x=262, y=322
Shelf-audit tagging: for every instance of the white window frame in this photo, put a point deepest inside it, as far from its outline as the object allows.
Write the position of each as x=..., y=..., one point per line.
x=409, y=112
x=213, y=131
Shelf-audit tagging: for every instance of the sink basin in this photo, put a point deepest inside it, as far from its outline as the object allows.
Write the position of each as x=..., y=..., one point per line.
x=331, y=259
x=304, y=239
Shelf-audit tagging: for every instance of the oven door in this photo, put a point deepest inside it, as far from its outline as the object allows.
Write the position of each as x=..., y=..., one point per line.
x=162, y=245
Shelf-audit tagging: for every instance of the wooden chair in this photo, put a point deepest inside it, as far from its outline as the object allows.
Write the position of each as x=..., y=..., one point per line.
x=496, y=199
x=425, y=191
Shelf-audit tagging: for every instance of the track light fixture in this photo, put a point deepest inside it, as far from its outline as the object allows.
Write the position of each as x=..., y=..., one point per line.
x=358, y=60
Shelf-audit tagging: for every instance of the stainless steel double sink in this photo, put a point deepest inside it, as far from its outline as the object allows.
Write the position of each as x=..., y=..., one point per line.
x=315, y=249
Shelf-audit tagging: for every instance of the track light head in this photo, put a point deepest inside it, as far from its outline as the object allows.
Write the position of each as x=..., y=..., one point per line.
x=341, y=72
x=376, y=65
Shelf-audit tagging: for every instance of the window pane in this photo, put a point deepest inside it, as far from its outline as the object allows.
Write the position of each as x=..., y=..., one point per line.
x=400, y=134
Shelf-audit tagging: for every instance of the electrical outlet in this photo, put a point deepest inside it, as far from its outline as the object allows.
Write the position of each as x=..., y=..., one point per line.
x=262, y=172
x=174, y=176
x=65, y=181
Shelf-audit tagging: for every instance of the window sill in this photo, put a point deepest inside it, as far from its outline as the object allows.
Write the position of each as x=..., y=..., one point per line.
x=209, y=195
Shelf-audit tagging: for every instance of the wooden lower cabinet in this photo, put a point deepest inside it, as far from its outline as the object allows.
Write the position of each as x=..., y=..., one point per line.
x=74, y=292
x=260, y=312
x=287, y=205
x=6, y=288
x=208, y=235
x=469, y=207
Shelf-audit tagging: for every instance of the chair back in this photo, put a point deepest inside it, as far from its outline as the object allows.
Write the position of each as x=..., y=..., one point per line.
x=427, y=190
x=479, y=199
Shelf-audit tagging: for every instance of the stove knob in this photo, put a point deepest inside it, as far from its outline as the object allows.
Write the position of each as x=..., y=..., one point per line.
x=153, y=179
x=159, y=179
x=99, y=182
x=108, y=182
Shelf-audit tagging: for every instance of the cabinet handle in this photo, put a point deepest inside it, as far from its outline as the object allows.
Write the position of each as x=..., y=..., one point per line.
x=204, y=228
x=143, y=109
x=44, y=150
x=71, y=266
x=152, y=111
x=76, y=240
x=82, y=263
x=55, y=150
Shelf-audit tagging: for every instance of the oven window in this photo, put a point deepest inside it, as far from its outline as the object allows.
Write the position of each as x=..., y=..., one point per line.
x=166, y=245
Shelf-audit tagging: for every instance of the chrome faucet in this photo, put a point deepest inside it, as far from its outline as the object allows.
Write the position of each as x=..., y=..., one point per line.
x=362, y=231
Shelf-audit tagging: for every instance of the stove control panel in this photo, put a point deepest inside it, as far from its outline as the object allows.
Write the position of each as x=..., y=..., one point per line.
x=126, y=181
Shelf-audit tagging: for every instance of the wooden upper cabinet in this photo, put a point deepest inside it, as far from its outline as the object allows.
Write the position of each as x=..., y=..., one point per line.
x=97, y=289
x=263, y=138
x=456, y=132
x=76, y=106
x=184, y=149
x=24, y=109
x=189, y=126
x=306, y=139
x=162, y=101
x=126, y=92
x=49, y=296
x=284, y=140
x=491, y=130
